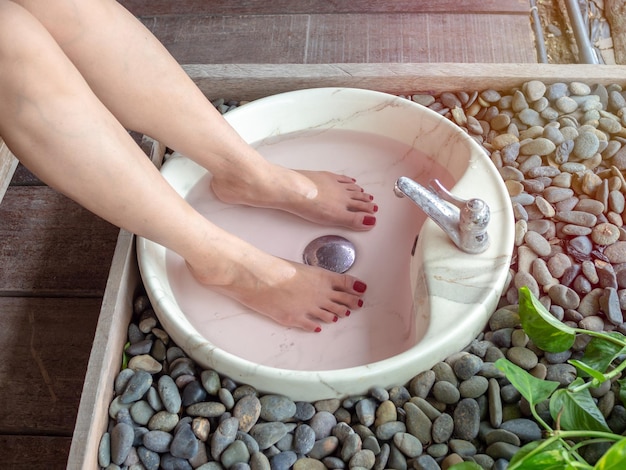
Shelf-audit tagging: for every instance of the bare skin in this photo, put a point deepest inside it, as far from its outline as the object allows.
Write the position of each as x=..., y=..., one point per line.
x=81, y=73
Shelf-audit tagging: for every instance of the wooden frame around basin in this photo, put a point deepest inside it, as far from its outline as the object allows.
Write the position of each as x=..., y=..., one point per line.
x=248, y=82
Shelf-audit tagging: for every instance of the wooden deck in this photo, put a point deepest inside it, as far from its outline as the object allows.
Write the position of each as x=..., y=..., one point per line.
x=55, y=256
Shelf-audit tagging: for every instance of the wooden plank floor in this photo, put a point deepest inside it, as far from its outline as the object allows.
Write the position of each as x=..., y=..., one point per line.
x=55, y=256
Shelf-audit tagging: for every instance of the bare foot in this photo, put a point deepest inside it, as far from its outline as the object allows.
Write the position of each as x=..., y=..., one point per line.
x=319, y=196
x=291, y=294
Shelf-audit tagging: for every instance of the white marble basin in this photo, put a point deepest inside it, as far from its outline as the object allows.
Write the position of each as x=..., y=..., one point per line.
x=424, y=301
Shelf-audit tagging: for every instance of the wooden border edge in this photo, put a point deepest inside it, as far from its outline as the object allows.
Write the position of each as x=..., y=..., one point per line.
x=8, y=164
x=252, y=81
x=106, y=355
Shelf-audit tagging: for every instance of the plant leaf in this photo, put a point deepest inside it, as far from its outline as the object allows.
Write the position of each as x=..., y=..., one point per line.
x=577, y=411
x=614, y=458
x=599, y=376
x=466, y=466
x=553, y=457
x=542, y=328
x=600, y=352
x=531, y=388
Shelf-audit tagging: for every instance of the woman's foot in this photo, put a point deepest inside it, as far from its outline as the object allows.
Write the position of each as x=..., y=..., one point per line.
x=292, y=294
x=319, y=196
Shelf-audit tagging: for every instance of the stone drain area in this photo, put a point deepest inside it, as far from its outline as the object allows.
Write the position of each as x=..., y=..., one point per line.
x=560, y=150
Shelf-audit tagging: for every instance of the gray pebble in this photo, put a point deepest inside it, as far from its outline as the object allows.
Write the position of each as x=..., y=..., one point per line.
x=522, y=357
x=442, y=428
x=122, y=437
x=422, y=383
x=304, y=439
x=151, y=460
x=462, y=447
x=157, y=441
x=184, y=445
x=526, y=429
x=502, y=450
x=408, y=444
x=170, y=396
x=366, y=411
x=445, y=392
x=466, y=419
x=210, y=381
x=467, y=366
x=235, y=453
x=163, y=421
x=323, y=423
x=225, y=435
x=268, y=434
x=425, y=462
x=324, y=447
x=206, y=409
x=136, y=387
x=386, y=431
x=363, y=459
x=277, y=408
x=417, y=423
x=193, y=393
x=473, y=387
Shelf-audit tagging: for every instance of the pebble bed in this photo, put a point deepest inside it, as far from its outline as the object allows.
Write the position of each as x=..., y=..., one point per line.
x=560, y=151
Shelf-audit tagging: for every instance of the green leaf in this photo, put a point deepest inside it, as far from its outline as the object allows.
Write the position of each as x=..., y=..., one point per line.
x=600, y=352
x=577, y=411
x=531, y=388
x=546, y=332
x=466, y=466
x=614, y=458
x=599, y=376
x=553, y=457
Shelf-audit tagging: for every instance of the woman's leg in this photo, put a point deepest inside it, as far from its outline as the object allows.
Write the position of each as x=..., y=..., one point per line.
x=53, y=122
x=144, y=87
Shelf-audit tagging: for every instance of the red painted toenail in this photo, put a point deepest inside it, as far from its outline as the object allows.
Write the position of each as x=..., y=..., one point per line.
x=371, y=197
x=360, y=303
x=335, y=319
x=359, y=286
x=369, y=220
x=375, y=207
x=348, y=313
x=318, y=329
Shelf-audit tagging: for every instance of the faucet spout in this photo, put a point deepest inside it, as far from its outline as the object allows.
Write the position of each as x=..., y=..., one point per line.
x=464, y=221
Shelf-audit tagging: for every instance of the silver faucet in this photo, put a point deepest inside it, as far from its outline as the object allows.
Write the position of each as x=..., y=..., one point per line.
x=464, y=221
